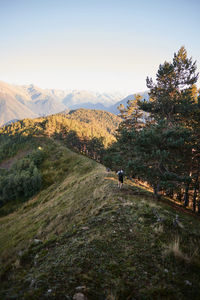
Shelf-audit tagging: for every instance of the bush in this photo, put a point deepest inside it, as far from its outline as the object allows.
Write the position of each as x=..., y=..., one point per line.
x=23, y=180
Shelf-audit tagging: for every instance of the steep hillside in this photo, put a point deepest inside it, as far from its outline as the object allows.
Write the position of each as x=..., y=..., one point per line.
x=102, y=119
x=81, y=234
x=86, y=123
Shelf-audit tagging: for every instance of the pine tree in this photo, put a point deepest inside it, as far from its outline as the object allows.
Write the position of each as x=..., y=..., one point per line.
x=172, y=96
x=132, y=116
x=161, y=152
x=173, y=99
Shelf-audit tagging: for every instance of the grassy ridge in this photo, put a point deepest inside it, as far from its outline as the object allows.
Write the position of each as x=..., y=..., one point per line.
x=81, y=231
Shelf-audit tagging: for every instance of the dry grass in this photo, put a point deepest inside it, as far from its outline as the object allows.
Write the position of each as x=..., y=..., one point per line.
x=158, y=228
x=98, y=236
x=78, y=194
x=174, y=249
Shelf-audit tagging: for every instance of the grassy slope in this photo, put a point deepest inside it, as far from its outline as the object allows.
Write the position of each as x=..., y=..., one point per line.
x=110, y=242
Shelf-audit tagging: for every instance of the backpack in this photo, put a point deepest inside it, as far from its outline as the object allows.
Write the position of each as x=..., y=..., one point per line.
x=120, y=175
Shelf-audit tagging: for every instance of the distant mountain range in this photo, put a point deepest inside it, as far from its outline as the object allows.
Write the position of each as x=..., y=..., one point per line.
x=19, y=102
x=114, y=108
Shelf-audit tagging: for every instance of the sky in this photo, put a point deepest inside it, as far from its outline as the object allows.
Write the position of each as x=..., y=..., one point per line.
x=102, y=45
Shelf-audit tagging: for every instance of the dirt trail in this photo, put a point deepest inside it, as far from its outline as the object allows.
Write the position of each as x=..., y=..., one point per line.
x=7, y=164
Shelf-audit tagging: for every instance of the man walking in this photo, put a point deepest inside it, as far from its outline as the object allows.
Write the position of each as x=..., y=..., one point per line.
x=120, y=178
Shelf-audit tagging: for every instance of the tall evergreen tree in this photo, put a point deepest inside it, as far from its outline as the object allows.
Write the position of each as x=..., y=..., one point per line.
x=173, y=99
x=132, y=116
x=162, y=152
x=172, y=96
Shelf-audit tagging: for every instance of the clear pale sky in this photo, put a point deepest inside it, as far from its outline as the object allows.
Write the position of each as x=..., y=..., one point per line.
x=103, y=45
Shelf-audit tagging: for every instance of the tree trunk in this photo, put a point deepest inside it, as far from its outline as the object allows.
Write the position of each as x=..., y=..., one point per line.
x=179, y=196
x=198, y=206
x=156, y=190
x=196, y=187
x=194, y=199
x=186, y=196
x=171, y=193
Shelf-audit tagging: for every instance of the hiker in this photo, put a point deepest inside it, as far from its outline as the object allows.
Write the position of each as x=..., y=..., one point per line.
x=120, y=178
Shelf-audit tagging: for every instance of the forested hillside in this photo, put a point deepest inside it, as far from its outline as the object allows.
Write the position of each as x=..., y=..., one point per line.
x=86, y=124
x=85, y=131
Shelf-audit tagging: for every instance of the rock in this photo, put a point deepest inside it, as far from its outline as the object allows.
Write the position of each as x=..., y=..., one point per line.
x=85, y=228
x=35, y=259
x=32, y=284
x=20, y=253
x=187, y=282
x=36, y=241
x=79, y=296
x=80, y=288
x=166, y=271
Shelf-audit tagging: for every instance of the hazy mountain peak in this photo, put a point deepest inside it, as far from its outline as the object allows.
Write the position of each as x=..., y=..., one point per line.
x=29, y=101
